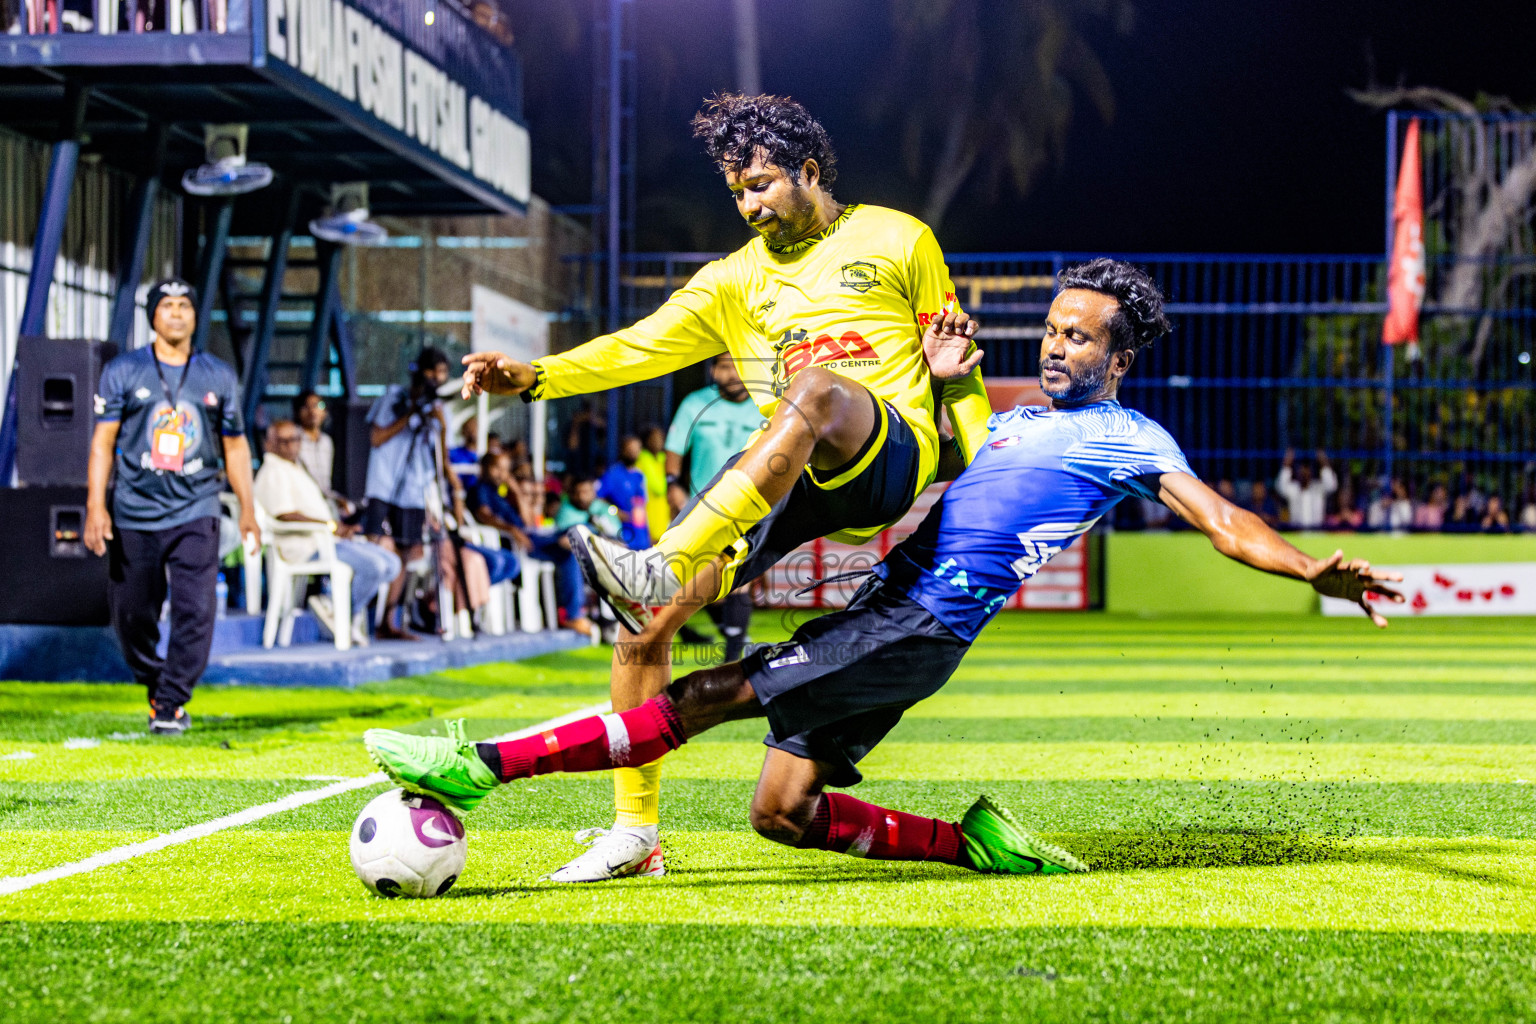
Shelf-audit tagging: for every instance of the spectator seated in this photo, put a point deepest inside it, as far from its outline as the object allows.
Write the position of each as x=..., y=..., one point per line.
x=307, y=536
x=497, y=507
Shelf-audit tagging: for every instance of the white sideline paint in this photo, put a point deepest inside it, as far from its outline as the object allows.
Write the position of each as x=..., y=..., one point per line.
x=117, y=855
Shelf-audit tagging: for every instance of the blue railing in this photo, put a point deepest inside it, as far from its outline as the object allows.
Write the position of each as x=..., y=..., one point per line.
x=478, y=54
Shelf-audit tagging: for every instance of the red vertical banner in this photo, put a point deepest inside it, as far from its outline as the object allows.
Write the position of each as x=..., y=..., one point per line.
x=1405, y=274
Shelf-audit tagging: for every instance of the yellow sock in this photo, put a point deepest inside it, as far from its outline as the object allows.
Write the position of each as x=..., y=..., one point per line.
x=723, y=513
x=637, y=794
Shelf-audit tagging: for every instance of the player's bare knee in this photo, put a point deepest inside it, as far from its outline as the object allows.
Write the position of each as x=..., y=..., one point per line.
x=775, y=821
x=710, y=696
x=814, y=396
x=782, y=809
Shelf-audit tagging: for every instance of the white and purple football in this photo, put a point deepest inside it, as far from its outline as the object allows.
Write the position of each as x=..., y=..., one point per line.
x=404, y=844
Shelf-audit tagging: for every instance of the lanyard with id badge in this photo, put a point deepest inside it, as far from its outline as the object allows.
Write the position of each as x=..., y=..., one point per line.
x=168, y=444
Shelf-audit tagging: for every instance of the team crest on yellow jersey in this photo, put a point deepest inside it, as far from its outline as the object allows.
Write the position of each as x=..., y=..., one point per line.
x=860, y=275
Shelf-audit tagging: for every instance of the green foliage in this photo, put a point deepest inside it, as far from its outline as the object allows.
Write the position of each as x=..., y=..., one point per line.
x=1001, y=99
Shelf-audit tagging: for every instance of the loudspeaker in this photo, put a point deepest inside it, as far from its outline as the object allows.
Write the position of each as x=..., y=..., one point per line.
x=56, y=388
x=350, y=432
x=46, y=574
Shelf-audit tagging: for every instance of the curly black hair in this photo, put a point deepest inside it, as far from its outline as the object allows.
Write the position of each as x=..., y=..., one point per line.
x=736, y=127
x=430, y=358
x=1140, y=320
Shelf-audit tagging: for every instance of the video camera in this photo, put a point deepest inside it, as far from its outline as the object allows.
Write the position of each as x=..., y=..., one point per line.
x=405, y=405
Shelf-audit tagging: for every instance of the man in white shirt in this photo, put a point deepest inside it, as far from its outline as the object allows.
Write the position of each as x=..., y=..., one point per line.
x=1307, y=497
x=289, y=494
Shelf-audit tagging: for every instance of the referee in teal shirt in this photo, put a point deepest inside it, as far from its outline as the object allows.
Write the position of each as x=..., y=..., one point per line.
x=711, y=425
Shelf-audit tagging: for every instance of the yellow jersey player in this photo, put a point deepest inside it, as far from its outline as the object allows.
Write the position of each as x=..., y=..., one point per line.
x=824, y=313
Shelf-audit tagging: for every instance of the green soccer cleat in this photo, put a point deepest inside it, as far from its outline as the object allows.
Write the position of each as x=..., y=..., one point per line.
x=445, y=767
x=998, y=846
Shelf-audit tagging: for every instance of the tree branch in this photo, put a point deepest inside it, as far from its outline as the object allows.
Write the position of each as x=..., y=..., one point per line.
x=1425, y=96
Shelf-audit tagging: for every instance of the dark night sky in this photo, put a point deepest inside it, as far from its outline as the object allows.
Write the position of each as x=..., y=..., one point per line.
x=1232, y=134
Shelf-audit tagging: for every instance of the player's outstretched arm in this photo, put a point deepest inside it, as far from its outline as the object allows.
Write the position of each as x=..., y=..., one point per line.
x=1244, y=537
x=495, y=374
x=691, y=325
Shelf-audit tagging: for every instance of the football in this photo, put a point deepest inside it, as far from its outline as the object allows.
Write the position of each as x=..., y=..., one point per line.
x=404, y=844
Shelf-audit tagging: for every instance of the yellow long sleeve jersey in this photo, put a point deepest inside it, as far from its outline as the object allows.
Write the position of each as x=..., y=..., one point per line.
x=854, y=299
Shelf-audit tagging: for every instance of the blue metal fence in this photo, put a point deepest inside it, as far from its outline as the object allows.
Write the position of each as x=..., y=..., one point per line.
x=1270, y=353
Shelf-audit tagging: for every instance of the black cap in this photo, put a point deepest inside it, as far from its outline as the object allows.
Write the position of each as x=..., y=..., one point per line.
x=171, y=287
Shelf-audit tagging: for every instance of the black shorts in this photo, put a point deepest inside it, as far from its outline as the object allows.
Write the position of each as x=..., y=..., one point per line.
x=872, y=489
x=844, y=680
x=381, y=519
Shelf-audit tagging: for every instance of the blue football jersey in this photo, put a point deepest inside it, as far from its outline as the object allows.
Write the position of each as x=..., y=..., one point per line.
x=1044, y=477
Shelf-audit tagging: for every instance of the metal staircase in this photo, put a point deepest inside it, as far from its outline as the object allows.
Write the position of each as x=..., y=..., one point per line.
x=282, y=309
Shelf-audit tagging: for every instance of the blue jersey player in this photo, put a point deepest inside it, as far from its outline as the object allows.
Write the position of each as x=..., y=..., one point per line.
x=830, y=694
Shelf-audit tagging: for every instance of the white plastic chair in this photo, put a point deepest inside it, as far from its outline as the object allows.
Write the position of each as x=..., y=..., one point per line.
x=286, y=581
x=251, y=560
x=535, y=594
x=496, y=616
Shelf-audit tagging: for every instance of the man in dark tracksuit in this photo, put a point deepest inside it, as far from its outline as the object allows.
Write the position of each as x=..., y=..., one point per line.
x=166, y=417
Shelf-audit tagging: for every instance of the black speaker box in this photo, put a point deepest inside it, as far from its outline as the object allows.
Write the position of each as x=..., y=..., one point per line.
x=46, y=575
x=56, y=388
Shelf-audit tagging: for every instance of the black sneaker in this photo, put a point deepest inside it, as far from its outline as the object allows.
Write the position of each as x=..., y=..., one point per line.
x=170, y=721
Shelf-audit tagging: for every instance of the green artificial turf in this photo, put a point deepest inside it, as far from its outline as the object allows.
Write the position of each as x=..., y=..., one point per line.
x=547, y=973
x=1288, y=819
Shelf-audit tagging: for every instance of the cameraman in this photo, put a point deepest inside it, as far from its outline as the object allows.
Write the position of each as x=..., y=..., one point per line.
x=409, y=436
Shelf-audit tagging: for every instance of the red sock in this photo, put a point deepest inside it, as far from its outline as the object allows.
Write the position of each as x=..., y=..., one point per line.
x=845, y=825
x=626, y=740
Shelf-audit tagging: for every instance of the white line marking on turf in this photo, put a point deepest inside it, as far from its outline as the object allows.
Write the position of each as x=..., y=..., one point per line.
x=117, y=855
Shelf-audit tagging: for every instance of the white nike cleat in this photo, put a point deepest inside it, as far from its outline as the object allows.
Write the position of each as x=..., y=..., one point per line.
x=620, y=852
x=630, y=582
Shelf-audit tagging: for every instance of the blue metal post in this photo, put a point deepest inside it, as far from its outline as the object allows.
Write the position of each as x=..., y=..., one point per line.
x=344, y=354
x=327, y=303
x=209, y=269
x=614, y=195
x=51, y=216
x=50, y=233
x=1388, y=356
x=130, y=266
x=255, y=383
